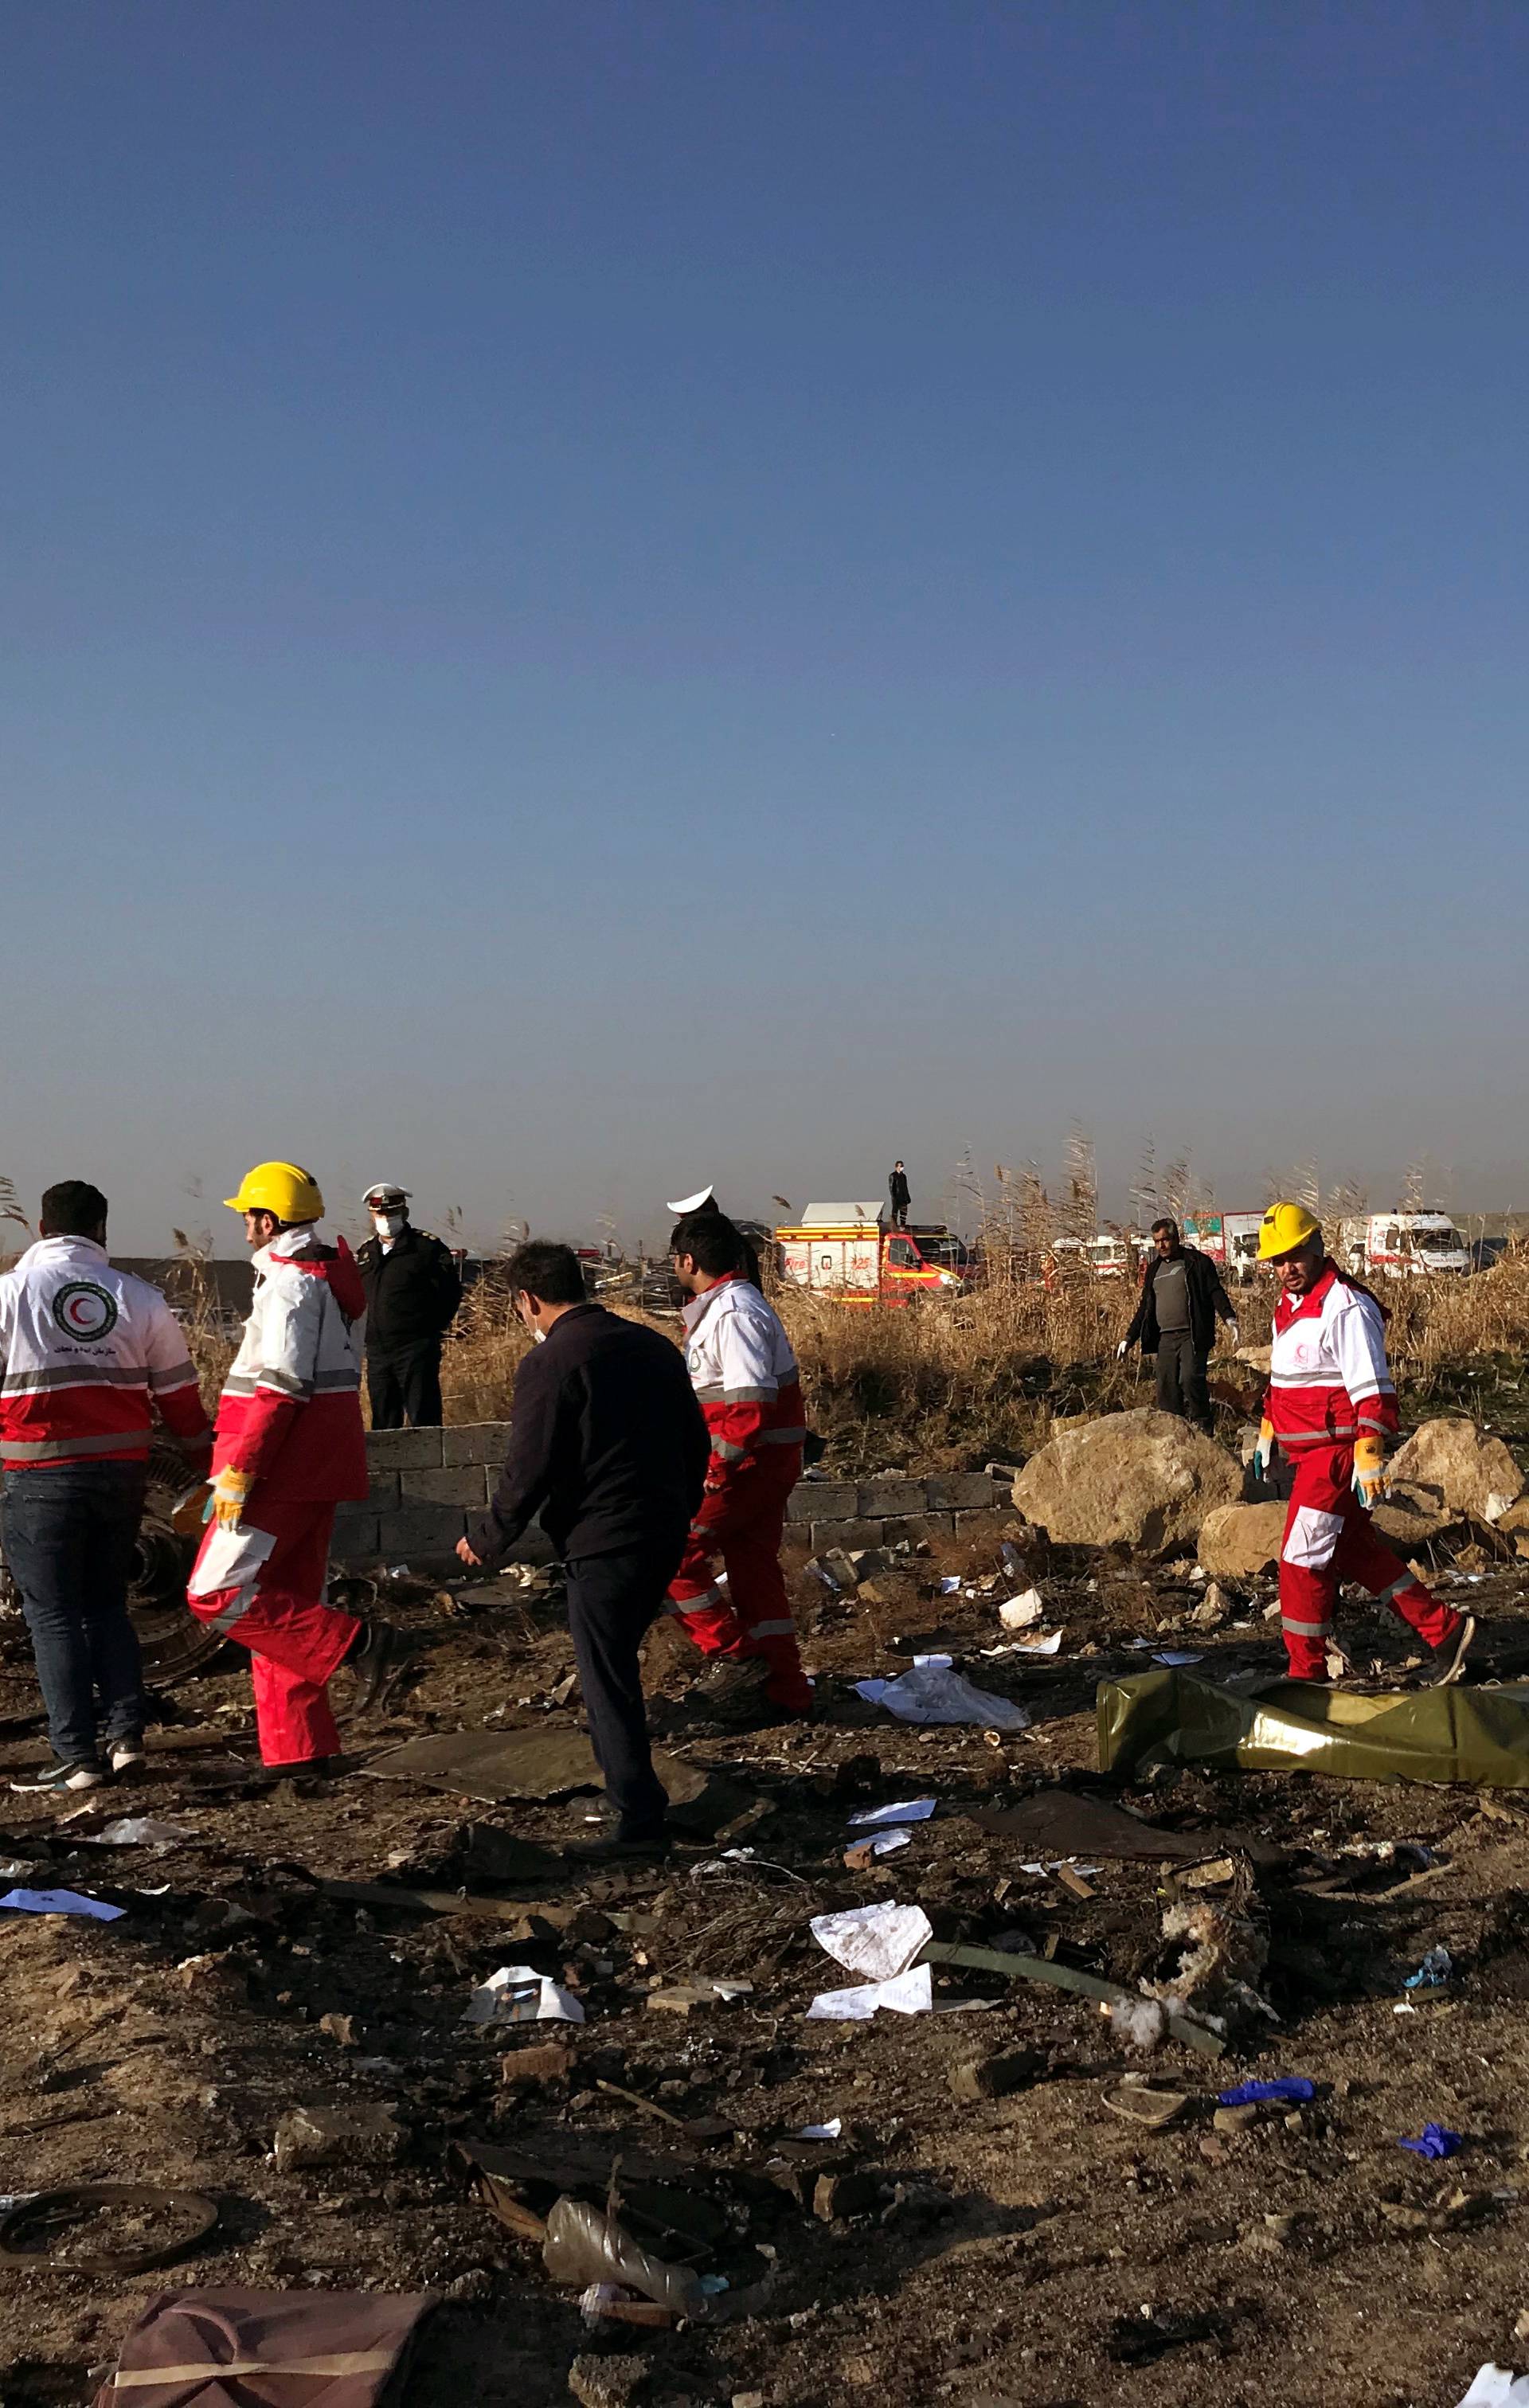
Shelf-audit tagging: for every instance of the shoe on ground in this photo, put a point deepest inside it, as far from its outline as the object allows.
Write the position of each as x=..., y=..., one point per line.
x=1450, y=1659
x=377, y=1661
x=126, y=1755
x=59, y=1777
x=312, y=1767
x=734, y=1694
x=614, y=1849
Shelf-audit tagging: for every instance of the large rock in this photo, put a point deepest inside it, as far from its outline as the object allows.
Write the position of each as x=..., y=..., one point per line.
x=1453, y=1466
x=1144, y=1479
x=1239, y=1542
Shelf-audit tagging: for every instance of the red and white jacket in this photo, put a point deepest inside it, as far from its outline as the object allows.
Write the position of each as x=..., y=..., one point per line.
x=291, y=1408
x=1328, y=1379
x=744, y=1377
x=89, y=1351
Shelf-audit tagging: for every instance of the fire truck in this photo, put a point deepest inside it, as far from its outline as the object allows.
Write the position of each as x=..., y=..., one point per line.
x=847, y=1251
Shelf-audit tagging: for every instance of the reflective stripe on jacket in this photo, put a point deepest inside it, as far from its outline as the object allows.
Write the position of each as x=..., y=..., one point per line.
x=291, y=1408
x=1328, y=1377
x=89, y=1351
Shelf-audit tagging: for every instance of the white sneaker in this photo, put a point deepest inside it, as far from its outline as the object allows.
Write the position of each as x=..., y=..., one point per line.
x=60, y=1776
x=126, y=1755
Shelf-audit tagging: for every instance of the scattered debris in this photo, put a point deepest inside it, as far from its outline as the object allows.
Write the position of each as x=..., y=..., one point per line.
x=59, y=1901
x=328, y=2136
x=1292, y=2088
x=53, y=2219
x=1019, y=1613
x=879, y=1941
x=1434, y=1972
x=1433, y=2141
x=517, y=1994
x=267, y=2339
x=904, y=1994
x=585, y=2244
x=1136, y=2104
x=934, y=1692
x=1455, y=1734
x=912, y=1809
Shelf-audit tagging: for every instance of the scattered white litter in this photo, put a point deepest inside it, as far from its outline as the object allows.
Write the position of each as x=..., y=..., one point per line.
x=1056, y=1864
x=517, y=1994
x=885, y=1841
x=141, y=1831
x=819, y=2131
x=1049, y=1645
x=879, y=1941
x=933, y=1693
x=1495, y=2388
x=1018, y=1612
x=949, y=1583
x=909, y=1994
x=908, y=1810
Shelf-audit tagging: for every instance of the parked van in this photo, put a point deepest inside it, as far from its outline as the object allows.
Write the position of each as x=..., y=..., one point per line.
x=1114, y=1254
x=846, y=1250
x=1402, y=1245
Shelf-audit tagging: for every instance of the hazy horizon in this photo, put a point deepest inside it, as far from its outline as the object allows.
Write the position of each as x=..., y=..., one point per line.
x=594, y=600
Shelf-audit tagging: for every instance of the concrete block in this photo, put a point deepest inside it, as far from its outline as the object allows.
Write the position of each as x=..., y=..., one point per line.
x=879, y=1497
x=382, y=1491
x=974, y=1525
x=463, y=1487
x=914, y=1527
x=420, y=1530
x=964, y=1492
x=822, y=1500
x=408, y=1450
x=845, y=1534
x=475, y=1442
x=356, y=1538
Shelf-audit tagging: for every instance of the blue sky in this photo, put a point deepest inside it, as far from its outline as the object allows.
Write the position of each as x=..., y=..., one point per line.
x=593, y=597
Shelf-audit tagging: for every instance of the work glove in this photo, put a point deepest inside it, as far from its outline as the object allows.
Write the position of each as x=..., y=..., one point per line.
x=229, y=1492
x=1371, y=1481
x=1233, y=1335
x=1122, y=1350
x=1263, y=1451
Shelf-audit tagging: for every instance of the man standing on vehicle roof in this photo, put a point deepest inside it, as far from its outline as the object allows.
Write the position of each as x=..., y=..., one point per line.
x=900, y=1195
x=90, y=1353
x=1182, y=1299
x=289, y=1448
x=1332, y=1406
x=729, y=1592
x=413, y=1289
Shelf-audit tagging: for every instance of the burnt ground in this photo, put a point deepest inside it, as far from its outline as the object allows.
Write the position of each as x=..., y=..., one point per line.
x=1029, y=2247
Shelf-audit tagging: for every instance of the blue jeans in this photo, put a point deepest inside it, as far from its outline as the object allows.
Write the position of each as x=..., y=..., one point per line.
x=70, y=1536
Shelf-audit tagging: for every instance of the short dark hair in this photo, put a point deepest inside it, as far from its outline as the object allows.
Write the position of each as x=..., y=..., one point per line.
x=73, y=1209
x=1172, y=1226
x=552, y=1274
x=712, y=1242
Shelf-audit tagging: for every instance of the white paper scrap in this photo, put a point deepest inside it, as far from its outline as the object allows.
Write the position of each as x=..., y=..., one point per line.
x=1018, y=1612
x=879, y=1940
x=1494, y=2387
x=819, y=2131
x=517, y=1994
x=59, y=1901
x=939, y=1663
x=910, y=1809
x=934, y=1694
x=909, y=1994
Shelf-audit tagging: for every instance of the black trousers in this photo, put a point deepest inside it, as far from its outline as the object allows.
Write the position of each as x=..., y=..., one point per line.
x=612, y=1602
x=404, y=1384
x=1181, y=1377
x=899, y=1217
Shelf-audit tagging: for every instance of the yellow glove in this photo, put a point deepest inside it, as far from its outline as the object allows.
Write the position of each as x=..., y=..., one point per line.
x=1263, y=1452
x=1371, y=1481
x=229, y=1491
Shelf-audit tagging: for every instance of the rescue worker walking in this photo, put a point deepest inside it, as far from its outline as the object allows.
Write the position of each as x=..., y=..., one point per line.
x=729, y=1592
x=1180, y=1302
x=1331, y=1406
x=90, y=1353
x=289, y=1448
x=413, y=1288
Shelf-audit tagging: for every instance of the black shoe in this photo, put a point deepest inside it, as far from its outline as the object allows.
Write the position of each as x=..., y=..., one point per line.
x=731, y=1695
x=616, y=1849
x=312, y=1767
x=126, y=1756
x=59, y=1777
x=377, y=1659
x=1450, y=1659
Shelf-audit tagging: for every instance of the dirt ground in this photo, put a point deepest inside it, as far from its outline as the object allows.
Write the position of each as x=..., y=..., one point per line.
x=1029, y=2247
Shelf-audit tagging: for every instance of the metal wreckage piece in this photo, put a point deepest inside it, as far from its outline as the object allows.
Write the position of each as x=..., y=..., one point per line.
x=1480, y=1736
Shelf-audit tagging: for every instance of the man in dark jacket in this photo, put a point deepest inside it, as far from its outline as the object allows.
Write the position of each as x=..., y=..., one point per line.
x=1182, y=1299
x=899, y=1195
x=609, y=1443
x=412, y=1290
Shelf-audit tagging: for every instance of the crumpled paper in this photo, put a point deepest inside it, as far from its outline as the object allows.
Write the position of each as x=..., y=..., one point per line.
x=936, y=1693
x=517, y=1994
x=879, y=1941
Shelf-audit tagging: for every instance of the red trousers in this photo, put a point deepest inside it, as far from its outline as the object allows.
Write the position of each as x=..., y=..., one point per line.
x=1330, y=1537
x=730, y=1592
x=271, y=1601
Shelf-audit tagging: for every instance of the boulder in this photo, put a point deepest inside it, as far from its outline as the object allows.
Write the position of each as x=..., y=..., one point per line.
x=1240, y=1542
x=1451, y=1467
x=1143, y=1478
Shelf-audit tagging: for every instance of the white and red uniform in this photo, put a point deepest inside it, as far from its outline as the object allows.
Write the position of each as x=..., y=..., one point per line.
x=90, y=1353
x=729, y=1591
x=1328, y=1386
x=291, y=1414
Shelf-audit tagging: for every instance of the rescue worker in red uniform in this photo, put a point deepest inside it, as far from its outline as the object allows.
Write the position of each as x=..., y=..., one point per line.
x=289, y=1447
x=729, y=1592
x=1331, y=1406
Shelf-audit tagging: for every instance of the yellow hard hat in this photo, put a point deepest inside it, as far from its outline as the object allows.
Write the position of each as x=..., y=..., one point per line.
x=279, y=1187
x=1283, y=1228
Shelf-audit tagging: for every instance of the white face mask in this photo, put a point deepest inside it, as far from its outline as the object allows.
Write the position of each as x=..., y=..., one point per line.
x=387, y=1224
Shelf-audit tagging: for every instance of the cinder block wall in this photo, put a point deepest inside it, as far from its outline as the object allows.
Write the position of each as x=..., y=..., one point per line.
x=425, y=1483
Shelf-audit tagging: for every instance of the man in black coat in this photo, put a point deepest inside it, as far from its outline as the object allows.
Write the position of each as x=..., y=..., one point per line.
x=413, y=1288
x=609, y=1445
x=1180, y=1302
x=899, y=1195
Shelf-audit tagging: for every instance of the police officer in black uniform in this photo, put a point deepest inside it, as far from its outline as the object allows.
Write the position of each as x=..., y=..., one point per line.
x=413, y=1291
